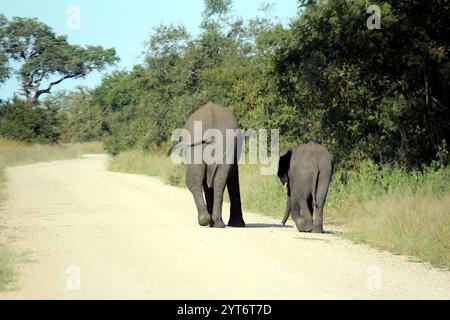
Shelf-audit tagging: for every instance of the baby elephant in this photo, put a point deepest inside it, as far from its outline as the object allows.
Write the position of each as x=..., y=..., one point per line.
x=306, y=172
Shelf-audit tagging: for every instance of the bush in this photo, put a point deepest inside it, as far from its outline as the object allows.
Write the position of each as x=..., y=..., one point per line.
x=30, y=124
x=80, y=120
x=369, y=181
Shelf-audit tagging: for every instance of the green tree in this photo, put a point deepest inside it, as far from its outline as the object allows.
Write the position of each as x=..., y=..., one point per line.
x=226, y=63
x=368, y=93
x=80, y=119
x=217, y=8
x=46, y=59
x=38, y=125
x=4, y=68
x=378, y=94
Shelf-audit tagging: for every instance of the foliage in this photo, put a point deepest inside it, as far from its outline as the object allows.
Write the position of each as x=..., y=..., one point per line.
x=417, y=226
x=46, y=59
x=153, y=164
x=378, y=99
x=30, y=124
x=377, y=94
x=369, y=181
x=365, y=94
x=394, y=209
x=4, y=67
x=226, y=63
x=41, y=60
x=80, y=120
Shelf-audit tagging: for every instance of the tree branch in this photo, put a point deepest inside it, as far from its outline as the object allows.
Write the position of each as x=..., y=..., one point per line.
x=38, y=81
x=51, y=85
x=32, y=77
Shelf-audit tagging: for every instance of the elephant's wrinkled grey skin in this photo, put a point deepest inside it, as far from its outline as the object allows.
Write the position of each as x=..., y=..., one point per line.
x=212, y=178
x=306, y=171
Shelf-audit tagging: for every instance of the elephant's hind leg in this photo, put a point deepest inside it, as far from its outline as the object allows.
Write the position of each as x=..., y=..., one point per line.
x=306, y=214
x=195, y=174
x=220, y=180
x=236, y=219
x=304, y=200
x=299, y=220
x=321, y=196
x=209, y=196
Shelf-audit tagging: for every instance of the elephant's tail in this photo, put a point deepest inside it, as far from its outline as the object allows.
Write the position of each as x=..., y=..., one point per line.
x=182, y=145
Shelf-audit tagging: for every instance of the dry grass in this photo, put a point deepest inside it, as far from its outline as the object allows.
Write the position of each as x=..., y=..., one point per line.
x=13, y=153
x=153, y=164
x=259, y=193
x=414, y=225
x=263, y=194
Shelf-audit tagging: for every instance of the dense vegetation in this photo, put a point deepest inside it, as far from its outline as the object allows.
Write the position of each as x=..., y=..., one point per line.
x=40, y=60
x=378, y=99
x=366, y=94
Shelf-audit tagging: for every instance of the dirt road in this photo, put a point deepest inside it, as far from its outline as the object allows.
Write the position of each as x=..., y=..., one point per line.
x=91, y=233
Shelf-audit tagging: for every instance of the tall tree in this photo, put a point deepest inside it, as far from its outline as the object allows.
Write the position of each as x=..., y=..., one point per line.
x=217, y=8
x=4, y=69
x=381, y=94
x=46, y=59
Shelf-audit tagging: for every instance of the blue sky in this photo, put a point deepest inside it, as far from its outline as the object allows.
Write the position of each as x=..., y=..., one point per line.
x=122, y=24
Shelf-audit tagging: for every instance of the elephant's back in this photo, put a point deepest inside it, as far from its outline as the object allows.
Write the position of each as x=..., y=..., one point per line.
x=313, y=155
x=212, y=116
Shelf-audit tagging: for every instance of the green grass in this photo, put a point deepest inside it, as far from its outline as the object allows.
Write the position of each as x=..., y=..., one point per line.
x=393, y=209
x=13, y=153
x=152, y=164
x=415, y=225
x=387, y=207
x=369, y=181
x=262, y=194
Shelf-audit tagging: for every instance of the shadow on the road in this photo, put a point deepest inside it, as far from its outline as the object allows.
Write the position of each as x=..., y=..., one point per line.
x=273, y=225
x=265, y=225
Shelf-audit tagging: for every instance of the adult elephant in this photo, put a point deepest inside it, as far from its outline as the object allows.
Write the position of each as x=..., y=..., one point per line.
x=211, y=177
x=306, y=171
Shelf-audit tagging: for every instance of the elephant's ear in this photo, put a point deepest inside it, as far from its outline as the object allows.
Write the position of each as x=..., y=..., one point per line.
x=283, y=165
